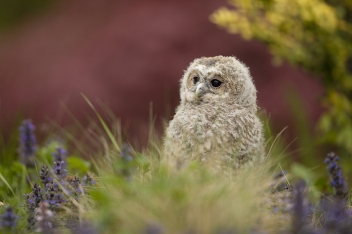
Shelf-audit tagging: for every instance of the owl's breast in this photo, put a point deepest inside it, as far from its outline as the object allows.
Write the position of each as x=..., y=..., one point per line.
x=201, y=131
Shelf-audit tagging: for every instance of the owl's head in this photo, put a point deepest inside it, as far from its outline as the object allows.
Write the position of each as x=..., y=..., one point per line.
x=218, y=79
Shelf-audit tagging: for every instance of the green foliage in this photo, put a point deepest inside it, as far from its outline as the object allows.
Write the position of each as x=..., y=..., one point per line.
x=140, y=192
x=303, y=131
x=312, y=34
x=146, y=192
x=300, y=171
x=16, y=179
x=77, y=165
x=9, y=146
x=13, y=179
x=180, y=201
x=45, y=154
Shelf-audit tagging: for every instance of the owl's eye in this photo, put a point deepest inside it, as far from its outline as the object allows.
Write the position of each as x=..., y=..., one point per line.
x=195, y=79
x=215, y=83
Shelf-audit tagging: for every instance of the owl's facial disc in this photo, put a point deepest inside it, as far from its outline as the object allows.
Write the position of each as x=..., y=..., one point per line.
x=203, y=86
x=201, y=89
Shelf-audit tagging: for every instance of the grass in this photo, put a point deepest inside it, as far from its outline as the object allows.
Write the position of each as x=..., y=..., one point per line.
x=195, y=199
x=137, y=191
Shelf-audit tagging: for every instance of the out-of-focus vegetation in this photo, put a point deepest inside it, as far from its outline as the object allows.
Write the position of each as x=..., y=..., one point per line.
x=14, y=11
x=312, y=34
x=129, y=191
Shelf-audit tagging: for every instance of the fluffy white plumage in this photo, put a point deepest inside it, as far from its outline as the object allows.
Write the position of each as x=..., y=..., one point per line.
x=216, y=120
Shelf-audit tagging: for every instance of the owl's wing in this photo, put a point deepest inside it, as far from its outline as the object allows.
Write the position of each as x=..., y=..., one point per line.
x=246, y=136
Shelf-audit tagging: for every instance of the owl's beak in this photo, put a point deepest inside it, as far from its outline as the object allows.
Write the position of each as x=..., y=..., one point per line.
x=202, y=88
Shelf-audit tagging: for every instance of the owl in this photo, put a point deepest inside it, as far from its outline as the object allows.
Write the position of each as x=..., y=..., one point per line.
x=216, y=120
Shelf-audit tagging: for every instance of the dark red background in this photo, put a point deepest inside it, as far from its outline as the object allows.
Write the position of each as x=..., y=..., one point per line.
x=128, y=54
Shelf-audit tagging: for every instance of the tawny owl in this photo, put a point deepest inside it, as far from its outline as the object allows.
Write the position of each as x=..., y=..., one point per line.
x=217, y=117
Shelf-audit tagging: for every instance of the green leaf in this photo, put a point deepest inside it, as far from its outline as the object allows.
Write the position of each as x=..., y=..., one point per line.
x=45, y=154
x=302, y=172
x=78, y=164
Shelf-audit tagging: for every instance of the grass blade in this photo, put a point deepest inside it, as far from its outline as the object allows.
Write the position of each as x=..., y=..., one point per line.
x=111, y=136
x=7, y=184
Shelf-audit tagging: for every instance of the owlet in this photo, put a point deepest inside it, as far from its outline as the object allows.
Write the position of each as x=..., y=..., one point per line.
x=216, y=120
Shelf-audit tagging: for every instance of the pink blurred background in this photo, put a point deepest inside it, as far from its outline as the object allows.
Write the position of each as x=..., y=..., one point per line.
x=128, y=54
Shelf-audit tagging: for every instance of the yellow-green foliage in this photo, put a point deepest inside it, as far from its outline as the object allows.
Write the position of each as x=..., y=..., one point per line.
x=313, y=34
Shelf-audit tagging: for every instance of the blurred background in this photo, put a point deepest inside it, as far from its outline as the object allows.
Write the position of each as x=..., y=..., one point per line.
x=129, y=54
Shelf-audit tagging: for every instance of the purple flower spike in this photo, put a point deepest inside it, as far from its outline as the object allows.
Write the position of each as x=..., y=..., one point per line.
x=302, y=211
x=9, y=219
x=337, y=181
x=76, y=185
x=60, y=154
x=27, y=147
x=126, y=152
x=59, y=163
x=44, y=175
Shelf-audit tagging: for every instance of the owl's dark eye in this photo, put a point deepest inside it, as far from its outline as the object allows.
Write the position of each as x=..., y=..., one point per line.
x=215, y=83
x=195, y=79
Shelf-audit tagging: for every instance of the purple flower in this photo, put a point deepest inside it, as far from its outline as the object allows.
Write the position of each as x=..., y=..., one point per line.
x=59, y=199
x=59, y=168
x=50, y=192
x=302, y=211
x=53, y=194
x=9, y=219
x=44, y=175
x=154, y=229
x=85, y=228
x=335, y=216
x=76, y=185
x=337, y=181
x=27, y=146
x=88, y=180
x=60, y=154
x=34, y=198
x=60, y=163
x=126, y=153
